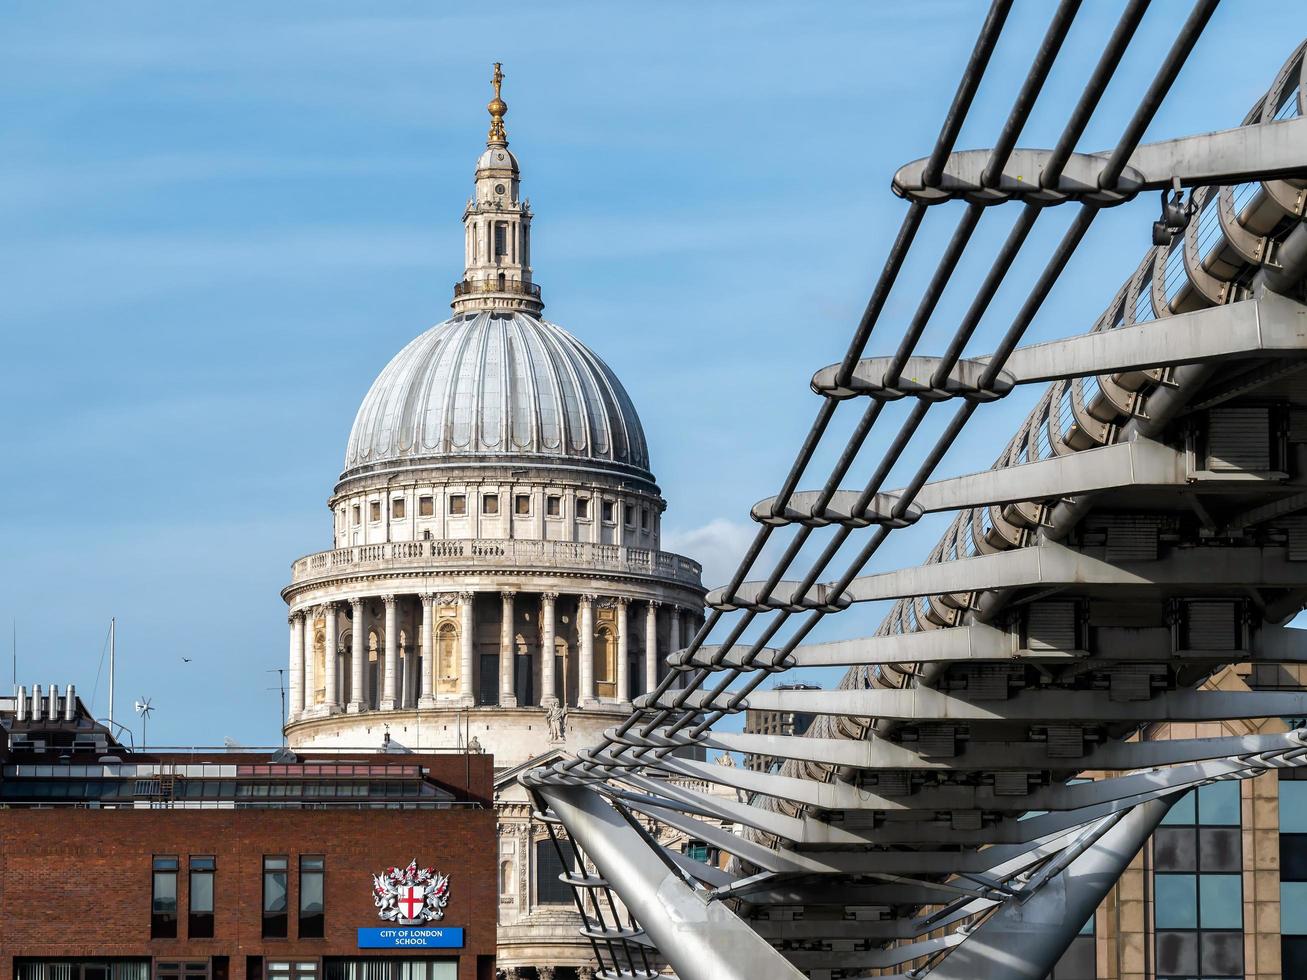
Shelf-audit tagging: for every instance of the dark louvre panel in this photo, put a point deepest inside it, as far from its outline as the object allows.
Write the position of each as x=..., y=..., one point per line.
x=1296, y=529
x=1052, y=626
x=1211, y=625
x=1131, y=538
x=1238, y=439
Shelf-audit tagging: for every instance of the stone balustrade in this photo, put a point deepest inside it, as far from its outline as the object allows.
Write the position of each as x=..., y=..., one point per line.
x=520, y=555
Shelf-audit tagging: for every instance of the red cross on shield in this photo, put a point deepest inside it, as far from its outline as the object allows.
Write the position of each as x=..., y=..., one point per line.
x=412, y=899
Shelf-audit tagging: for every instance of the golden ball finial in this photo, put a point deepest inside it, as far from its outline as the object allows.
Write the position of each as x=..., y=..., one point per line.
x=497, y=108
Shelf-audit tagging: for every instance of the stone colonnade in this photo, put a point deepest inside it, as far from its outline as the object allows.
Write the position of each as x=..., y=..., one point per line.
x=386, y=667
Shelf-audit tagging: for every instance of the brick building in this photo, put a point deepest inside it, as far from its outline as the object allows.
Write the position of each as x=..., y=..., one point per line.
x=236, y=865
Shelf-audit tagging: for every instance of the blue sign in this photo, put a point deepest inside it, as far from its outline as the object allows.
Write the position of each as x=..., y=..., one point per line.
x=412, y=937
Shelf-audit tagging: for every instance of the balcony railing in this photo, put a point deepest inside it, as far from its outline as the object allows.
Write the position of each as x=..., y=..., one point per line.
x=473, y=553
x=517, y=287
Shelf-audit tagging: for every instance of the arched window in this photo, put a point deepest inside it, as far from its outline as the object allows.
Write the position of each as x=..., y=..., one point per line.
x=605, y=665
x=505, y=877
x=447, y=659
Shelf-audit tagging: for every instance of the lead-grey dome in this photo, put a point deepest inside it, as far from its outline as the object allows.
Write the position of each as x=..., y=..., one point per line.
x=500, y=384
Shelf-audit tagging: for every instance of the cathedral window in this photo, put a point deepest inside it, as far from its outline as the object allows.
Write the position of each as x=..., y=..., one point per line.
x=447, y=662
x=608, y=512
x=605, y=662
x=583, y=508
x=522, y=505
x=550, y=890
x=553, y=506
x=426, y=506
x=630, y=516
x=490, y=503
x=501, y=238
x=644, y=518
x=374, y=511
x=399, y=508
x=357, y=515
x=458, y=504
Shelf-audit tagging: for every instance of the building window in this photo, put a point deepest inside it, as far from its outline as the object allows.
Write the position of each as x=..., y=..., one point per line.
x=397, y=968
x=1198, y=885
x=608, y=512
x=312, y=911
x=398, y=508
x=501, y=238
x=1293, y=874
x=357, y=515
x=374, y=511
x=426, y=506
x=291, y=970
x=550, y=890
x=163, y=902
x=644, y=518
x=553, y=506
x=583, y=508
x=1080, y=961
x=194, y=970
x=200, y=922
x=458, y=504
x=274, y=896
x=630, y=516
x=522, y=505
x=104, y=969
x=490, y=503
x=696, y=850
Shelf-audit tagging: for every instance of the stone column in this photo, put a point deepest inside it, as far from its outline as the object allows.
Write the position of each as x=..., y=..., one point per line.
x=332, y=679
x=585, y=674
x=548, y=683
x=545, y=973
x=296, y=676
x=408, y=697
x=466, y=627
x=390, y=669
x=306, y=656
x=358, y=656
x=651, y=647
x=675, y=640
x=623, y=665
x=507, y=653
x=428, y=662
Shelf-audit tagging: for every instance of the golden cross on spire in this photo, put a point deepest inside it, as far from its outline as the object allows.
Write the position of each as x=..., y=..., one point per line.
x=497, y=108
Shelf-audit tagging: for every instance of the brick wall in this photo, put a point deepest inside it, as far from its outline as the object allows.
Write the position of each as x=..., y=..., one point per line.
x=77, y=883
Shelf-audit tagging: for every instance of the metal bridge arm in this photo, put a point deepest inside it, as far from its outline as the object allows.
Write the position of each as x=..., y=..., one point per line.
x=701, y=939
x=1023, y=940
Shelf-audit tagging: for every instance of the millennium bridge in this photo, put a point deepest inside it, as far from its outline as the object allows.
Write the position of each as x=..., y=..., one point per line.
x=1142, y=533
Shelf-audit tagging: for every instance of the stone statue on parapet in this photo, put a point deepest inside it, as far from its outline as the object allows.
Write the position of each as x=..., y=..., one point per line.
x=557, y=719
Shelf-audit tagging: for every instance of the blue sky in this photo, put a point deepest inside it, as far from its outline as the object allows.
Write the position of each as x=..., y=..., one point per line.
x=222, y=219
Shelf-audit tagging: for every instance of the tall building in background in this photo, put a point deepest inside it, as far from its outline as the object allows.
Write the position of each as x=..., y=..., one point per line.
x=760, y=721
x=495, y=578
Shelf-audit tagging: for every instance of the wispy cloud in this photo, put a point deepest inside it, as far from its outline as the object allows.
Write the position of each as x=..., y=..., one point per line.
x=718, y=546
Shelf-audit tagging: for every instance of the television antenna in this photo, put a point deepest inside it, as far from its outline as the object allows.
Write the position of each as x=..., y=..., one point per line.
x=143, y=708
